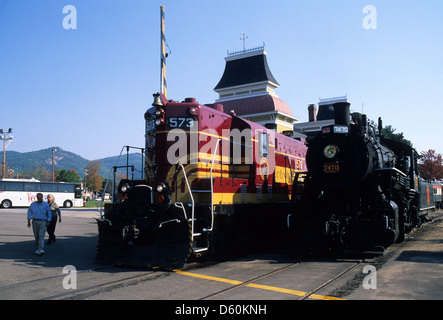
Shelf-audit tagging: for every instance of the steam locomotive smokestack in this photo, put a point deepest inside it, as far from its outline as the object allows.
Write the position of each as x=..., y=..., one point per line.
x=342, y=113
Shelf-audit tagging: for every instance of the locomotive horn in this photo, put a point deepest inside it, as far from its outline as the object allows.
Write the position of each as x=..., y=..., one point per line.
x=342, y=113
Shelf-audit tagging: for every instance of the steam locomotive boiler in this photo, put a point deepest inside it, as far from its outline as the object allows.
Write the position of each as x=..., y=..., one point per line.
x=360, y=192
x=214, y=182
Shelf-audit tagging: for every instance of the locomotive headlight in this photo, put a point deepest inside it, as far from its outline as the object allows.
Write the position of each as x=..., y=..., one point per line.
x=160, y=114
x=161, y=187
x=124, y=188
x=330, y=151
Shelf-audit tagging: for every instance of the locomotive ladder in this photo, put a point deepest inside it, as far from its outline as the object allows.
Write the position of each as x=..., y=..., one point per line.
x=211, y=191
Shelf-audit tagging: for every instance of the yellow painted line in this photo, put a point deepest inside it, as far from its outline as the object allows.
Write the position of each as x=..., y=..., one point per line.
x=201, y=276
x=257, y=286
x=320, y=297
x=277, y=289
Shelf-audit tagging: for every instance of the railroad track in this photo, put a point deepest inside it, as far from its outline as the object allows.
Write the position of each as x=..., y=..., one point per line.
x=300, y=294
x=99, y=280
x=90, y=280
x=312, y=293
x=278, y=279
x=109, y=279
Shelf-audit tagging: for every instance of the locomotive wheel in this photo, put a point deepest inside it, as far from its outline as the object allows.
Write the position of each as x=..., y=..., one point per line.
x=415, y=221
x=401, y=229
x=387, y=238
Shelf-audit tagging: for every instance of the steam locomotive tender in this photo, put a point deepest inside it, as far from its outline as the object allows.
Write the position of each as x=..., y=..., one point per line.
x=214, y=182
x=361, y=191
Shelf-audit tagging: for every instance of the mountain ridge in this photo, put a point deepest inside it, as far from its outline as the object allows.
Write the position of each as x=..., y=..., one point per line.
x=22, y=162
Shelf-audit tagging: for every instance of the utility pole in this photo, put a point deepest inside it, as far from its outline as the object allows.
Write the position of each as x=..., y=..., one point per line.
x=5, y=136
x=53, y=173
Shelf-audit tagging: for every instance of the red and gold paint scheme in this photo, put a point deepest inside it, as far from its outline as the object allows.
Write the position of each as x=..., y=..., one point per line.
x=211, y=178
x=254, y=171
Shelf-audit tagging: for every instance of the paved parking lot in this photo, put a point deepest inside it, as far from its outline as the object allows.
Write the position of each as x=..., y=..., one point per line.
x=411, y=270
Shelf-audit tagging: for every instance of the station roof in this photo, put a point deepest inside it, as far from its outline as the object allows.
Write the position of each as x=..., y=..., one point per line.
x=246, y=69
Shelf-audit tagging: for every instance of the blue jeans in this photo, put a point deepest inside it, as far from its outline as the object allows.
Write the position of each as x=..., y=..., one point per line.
x=39, y=228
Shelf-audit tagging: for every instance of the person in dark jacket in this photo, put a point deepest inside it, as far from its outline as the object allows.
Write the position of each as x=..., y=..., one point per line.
x=55, y=211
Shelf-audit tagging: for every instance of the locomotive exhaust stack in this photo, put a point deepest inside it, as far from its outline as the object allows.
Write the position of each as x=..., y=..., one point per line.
x=342, y=113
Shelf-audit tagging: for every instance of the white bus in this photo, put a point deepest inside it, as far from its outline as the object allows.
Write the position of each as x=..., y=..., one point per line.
x=22, y=192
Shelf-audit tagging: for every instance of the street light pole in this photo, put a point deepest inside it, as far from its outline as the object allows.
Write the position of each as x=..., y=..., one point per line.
x=5, y=136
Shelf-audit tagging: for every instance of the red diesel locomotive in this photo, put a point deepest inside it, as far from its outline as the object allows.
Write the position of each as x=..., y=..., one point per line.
x=213, y=182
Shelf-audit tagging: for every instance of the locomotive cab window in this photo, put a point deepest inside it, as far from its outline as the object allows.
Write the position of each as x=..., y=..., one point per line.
x=263, y=141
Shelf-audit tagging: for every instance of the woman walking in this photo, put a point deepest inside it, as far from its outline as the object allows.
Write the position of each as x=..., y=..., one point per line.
x=55, y=211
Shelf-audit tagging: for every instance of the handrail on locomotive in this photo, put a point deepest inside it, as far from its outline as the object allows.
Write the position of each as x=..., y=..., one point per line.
x=212, y=187
x=178, y=204
x=192, y=201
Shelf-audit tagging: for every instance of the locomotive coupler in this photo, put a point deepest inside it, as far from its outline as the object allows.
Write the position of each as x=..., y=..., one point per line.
x=337, y=229
x=130, y=234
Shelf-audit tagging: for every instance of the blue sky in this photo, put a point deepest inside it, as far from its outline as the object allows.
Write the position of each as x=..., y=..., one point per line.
x=86, y=90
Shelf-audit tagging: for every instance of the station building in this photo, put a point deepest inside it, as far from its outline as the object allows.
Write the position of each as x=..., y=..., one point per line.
x=247, y=88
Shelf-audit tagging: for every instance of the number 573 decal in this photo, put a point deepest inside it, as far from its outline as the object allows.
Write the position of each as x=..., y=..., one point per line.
x=180, y=122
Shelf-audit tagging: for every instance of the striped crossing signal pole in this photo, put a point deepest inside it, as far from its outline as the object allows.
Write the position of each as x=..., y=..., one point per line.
x=163, y=86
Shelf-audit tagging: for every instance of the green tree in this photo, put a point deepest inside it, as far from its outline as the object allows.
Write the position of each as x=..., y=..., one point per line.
x=41, y=174
x=388, y=132
x=67, y=175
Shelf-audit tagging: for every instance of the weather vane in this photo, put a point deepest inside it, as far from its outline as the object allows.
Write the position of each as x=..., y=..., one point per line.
x=243, y=37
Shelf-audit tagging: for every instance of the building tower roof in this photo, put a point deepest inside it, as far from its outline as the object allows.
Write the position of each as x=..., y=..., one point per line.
x=247, y=87
x=246, y=68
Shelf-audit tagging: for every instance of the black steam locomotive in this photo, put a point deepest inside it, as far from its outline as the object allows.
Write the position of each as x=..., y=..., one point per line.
x=361, y=191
